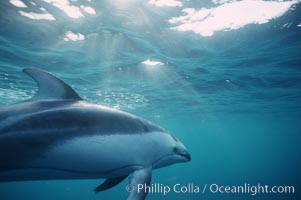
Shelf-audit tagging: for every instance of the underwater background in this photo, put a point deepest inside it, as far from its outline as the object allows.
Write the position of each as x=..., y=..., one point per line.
x=224, y=76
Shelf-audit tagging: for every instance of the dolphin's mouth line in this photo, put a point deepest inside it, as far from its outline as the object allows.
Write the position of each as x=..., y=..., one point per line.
x=185, y=155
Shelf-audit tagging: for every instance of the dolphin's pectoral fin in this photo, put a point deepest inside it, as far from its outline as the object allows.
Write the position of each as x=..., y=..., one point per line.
x=50, y=86
x=109, y=183
x=139, y=177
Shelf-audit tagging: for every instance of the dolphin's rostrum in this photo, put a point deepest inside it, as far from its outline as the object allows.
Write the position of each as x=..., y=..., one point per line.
x=55, y=135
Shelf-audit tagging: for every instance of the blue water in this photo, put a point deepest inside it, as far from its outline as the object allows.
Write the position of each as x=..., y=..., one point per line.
x=232, y=97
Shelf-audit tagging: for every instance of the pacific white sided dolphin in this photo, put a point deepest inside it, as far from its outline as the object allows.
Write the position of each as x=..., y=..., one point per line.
x=56, y=135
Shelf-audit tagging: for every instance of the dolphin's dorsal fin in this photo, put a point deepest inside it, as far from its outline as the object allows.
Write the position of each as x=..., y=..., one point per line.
x=50, y=86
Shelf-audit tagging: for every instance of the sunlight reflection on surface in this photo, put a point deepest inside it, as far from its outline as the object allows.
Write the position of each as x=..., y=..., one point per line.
x=70, y=10
x=73, y=36
x=168, y=3
x=152, y=63
x=37, y=16
x=224, y=15
x=64, y=5
x=230, y=16
x=18, y=3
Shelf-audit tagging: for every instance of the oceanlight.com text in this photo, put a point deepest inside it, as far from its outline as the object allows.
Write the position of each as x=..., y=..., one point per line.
x=249, y=189
x=192, y=188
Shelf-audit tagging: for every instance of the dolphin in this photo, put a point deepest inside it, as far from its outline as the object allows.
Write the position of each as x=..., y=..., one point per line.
x=56, y=135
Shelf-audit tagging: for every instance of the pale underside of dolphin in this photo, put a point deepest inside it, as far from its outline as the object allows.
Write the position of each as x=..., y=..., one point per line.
x=56, y=135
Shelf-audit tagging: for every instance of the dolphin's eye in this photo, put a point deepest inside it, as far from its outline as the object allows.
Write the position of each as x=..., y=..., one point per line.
x=175, y=149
